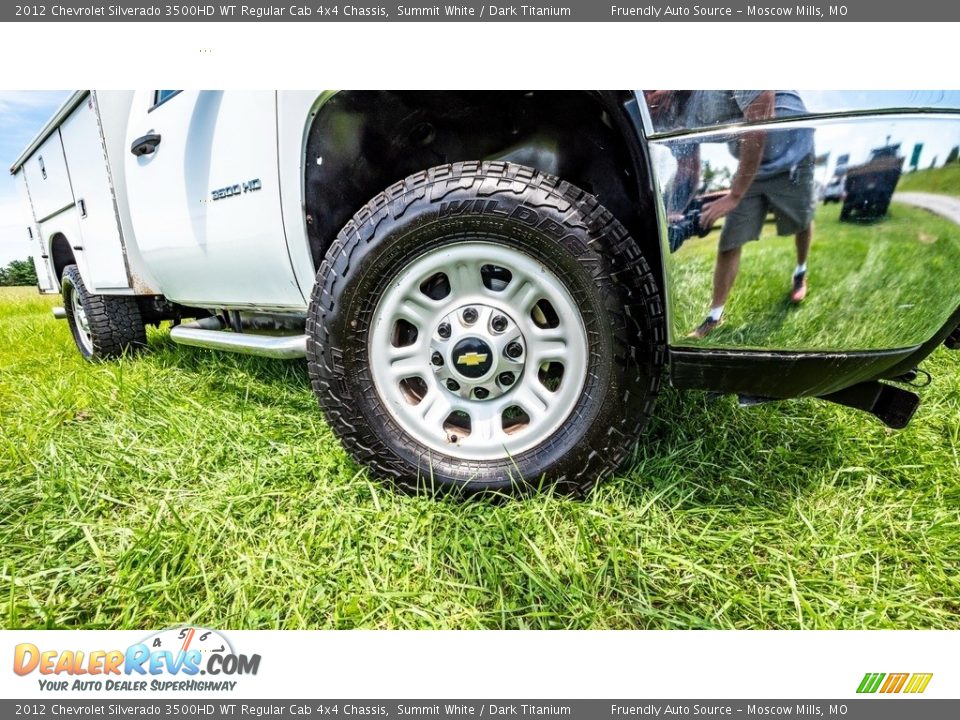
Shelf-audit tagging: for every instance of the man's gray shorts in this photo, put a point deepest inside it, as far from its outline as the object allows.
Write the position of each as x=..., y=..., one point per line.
x=788, y=195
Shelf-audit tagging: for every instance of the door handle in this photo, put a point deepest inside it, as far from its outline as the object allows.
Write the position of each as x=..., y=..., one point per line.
x=146, y=145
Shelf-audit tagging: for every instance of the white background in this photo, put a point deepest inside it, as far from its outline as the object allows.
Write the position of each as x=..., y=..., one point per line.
x=625, y=55
x=548, y=665
x=527, y=55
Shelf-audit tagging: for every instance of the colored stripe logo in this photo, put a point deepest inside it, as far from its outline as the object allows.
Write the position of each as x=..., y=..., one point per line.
x=913, y=683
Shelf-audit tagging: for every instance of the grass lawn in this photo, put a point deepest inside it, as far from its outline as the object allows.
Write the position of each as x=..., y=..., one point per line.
x=872, y=285
x=187, y=486
x=941, y=180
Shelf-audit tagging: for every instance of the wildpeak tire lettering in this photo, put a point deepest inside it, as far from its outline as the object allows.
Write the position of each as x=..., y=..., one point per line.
x=521, y=213
x=474, y=207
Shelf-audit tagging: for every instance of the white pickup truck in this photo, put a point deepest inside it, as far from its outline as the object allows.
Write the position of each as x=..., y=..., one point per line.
x=483, y=283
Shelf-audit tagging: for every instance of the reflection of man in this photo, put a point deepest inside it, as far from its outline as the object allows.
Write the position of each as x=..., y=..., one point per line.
x=774, y=174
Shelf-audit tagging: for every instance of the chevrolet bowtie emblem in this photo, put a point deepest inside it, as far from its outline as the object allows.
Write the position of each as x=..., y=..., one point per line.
x=472, y=358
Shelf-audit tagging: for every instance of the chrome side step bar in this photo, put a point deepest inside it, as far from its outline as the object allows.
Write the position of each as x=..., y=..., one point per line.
x=209, y=333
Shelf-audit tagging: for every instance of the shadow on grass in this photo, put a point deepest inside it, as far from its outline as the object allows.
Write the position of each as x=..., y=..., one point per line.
x=698, y=450
x=701, y=450
x=228, y=367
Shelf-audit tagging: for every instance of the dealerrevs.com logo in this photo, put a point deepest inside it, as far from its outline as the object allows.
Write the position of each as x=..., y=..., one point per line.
x=179, y=659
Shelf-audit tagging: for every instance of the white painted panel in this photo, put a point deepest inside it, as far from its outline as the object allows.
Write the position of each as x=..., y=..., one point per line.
x=229, y=252
x=67, y=224
x=47, y=178
x=93, y=192
x=41, y=255
x=113, y=109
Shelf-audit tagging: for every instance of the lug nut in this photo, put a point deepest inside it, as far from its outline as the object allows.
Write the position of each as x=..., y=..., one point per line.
x=480, y=393
x=499, y=323
x=453, y=385
x=444, y=330
x=436, y=359
x=506, y=379
x=470, y=315
x=514, y=350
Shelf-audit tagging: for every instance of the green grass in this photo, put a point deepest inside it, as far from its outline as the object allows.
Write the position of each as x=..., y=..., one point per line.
x=942, y=180
x=186, y=486
x=872, y=286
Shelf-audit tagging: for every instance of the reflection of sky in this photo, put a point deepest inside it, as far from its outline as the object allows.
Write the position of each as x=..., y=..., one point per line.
x=858, y=140
x=831, y=100
x=22, y=114
x=856, y=137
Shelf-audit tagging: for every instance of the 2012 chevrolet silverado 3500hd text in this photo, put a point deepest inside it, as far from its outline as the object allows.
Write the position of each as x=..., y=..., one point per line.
x=490, y=287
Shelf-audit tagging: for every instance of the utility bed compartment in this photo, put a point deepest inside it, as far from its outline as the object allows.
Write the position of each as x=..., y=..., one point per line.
x=48, y=179
x=70, y=195
x=38, y=251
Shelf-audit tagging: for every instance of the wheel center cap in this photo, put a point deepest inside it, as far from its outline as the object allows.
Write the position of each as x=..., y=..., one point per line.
x=472, y=358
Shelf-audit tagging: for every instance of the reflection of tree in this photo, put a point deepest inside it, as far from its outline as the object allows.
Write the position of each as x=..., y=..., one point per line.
x=19, y=272
x=954, y=153
x=714, y=179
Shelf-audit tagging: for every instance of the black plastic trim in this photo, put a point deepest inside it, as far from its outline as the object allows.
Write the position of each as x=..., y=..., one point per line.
x=953, y=342
x=797, y=374
x=779, y=374
x=928, y=347
x=894, y=406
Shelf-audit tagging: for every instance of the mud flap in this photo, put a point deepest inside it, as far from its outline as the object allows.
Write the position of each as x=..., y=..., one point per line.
x=953, y=340
x=892, y=405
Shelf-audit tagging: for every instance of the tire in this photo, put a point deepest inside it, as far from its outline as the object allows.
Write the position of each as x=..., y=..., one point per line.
x=470, y=213
x=104, y=327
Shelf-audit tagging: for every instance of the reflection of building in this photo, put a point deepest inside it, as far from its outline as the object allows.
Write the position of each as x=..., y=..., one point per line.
x=869, y=187
x=842, y=162
x=833, y=189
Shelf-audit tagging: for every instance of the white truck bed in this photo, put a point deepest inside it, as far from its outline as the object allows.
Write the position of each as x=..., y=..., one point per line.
x=67, y=177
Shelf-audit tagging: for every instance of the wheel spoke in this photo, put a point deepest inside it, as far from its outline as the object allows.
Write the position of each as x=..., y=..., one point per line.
x=522, y=294
x=435, y=408
x=407, y=367
x=416, y=309
x=534, y=398
x=547, y=345
x=486, y=425
x=466, y=280
x=477, y=351
x=414, y=349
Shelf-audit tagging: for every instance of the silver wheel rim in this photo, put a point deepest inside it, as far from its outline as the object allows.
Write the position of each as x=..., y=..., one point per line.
x=522, y=322
x=80, y=320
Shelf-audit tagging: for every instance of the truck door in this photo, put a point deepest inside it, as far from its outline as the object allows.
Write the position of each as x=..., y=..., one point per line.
x=204, y=194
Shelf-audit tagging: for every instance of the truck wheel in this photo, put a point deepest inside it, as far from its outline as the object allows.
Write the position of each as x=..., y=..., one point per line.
x=484, y=327
x=103, y=326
